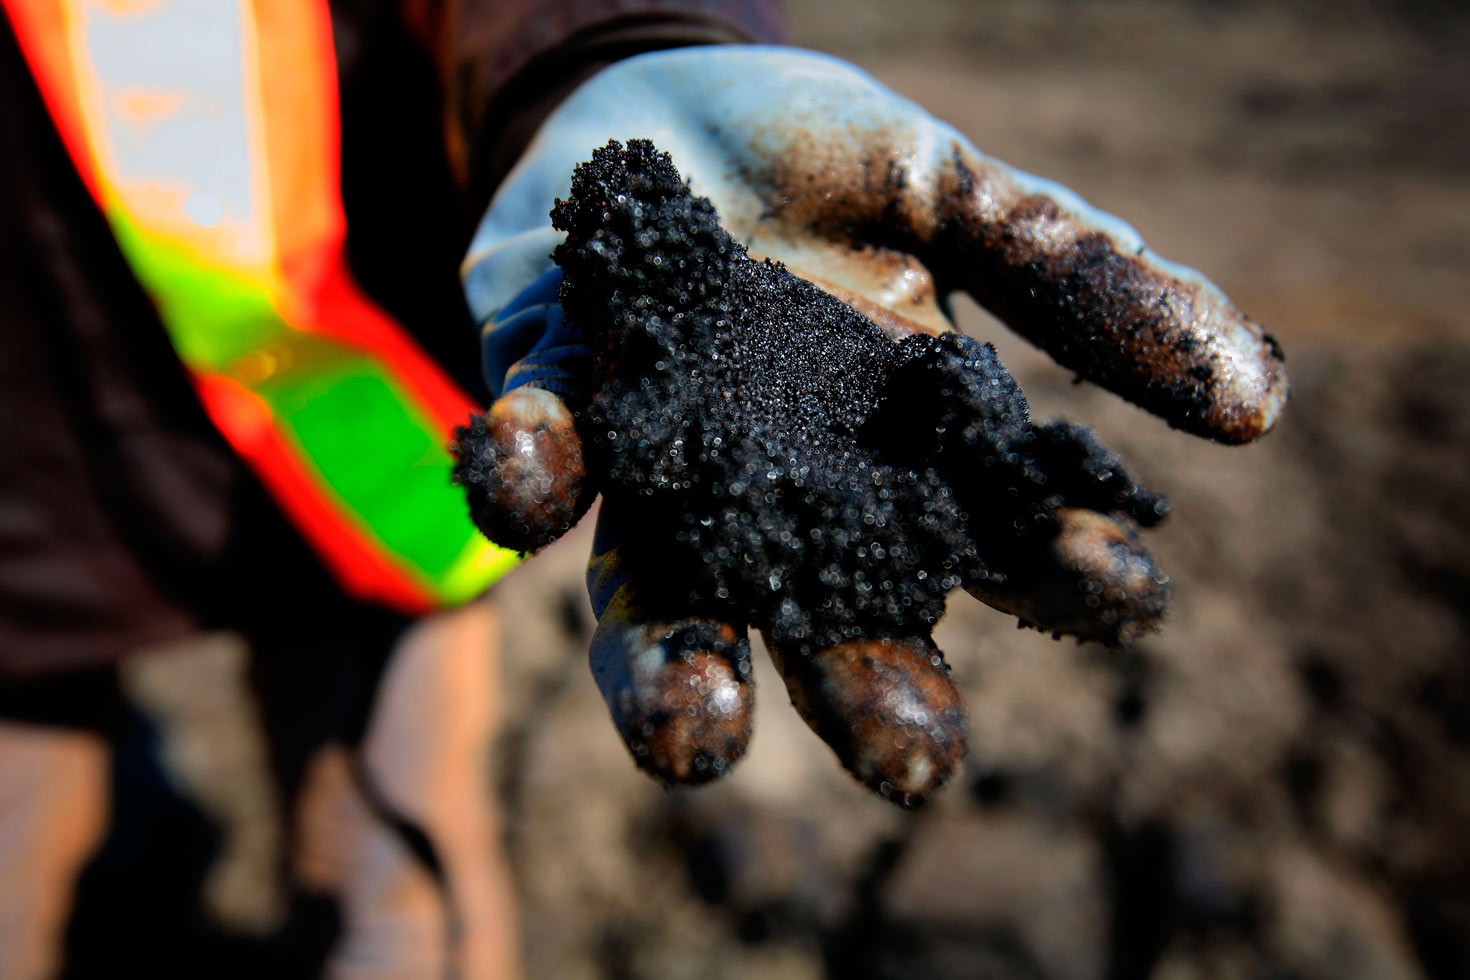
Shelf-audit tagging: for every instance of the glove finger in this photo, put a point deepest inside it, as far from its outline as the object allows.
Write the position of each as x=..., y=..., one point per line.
x=1092, y=580
x=849, y=162
x=1081, y=285
x=530, y=343
x=522, y=469
x=1083, y=472
x=522, y=464
x=886, y=706
x=680, y=688
x=1076, y=282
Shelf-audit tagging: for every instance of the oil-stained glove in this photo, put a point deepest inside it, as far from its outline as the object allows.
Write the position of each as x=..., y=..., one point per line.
x=812, y=163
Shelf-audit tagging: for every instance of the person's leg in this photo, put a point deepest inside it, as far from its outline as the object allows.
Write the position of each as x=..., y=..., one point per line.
x=53, y=813
x=403, y=829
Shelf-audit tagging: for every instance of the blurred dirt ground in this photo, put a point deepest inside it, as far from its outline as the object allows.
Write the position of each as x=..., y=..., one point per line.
x=1278, y=785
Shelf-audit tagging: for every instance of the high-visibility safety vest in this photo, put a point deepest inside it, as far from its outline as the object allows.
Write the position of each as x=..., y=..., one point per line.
x=207, y=132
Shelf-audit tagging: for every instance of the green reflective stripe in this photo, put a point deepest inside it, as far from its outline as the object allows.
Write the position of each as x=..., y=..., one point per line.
x=358, y=427
x=214, y=315
x=374, y=451
x=478, y=564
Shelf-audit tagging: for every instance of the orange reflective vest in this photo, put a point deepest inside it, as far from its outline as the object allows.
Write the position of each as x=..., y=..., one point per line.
x=207, y=132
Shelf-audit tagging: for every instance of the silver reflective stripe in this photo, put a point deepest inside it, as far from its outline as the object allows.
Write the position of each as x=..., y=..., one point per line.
x=175, y=131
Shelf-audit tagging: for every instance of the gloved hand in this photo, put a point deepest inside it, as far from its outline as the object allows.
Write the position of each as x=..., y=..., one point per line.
x=812, y=163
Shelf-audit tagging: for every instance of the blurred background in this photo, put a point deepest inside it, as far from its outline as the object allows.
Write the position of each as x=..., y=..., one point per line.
x=1278, y=785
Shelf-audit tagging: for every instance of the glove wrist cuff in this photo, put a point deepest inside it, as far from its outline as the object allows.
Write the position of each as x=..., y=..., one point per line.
x=526, y=94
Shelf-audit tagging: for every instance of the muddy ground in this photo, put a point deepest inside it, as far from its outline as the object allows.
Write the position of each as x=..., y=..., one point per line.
x=1278, y=785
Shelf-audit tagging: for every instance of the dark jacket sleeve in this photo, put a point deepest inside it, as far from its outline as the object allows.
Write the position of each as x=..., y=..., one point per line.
x=505, y=64
x=125, y=518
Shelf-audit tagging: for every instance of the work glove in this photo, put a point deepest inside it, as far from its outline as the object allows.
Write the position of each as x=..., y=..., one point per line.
x=812, y=163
